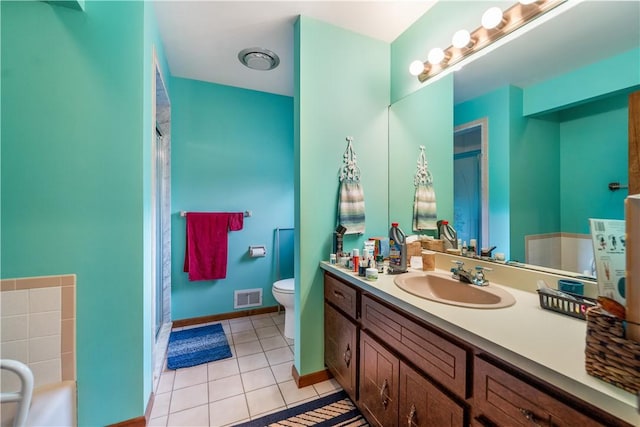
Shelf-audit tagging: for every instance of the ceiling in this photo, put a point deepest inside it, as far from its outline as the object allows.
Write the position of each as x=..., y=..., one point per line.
x=202, y=39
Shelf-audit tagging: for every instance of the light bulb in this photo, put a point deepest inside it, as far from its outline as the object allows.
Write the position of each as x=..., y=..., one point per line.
x=416, y=68
x=492, y=18
x=436, y=55
x=461, y=39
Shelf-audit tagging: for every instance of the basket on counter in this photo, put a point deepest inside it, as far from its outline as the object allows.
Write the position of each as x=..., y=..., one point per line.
x=608, y=355
x=573, y=305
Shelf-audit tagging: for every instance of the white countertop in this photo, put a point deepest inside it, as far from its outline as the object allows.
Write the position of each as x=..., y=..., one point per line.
x=548, y=345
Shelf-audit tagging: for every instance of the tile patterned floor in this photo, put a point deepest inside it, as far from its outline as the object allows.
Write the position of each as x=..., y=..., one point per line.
x=254, y=382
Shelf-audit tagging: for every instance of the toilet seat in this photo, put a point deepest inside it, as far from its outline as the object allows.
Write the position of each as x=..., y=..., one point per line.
x=285, y=286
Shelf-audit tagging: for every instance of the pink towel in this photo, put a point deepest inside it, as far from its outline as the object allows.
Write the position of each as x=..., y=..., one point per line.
x=205, y=256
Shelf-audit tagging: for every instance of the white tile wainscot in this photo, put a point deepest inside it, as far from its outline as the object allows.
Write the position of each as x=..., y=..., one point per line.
x=39, y=327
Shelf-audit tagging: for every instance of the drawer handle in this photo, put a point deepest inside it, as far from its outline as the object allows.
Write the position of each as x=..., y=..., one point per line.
x=338, y=294
x=383, y=394
x=412, y=415
x=529, y=415
x=347, y=355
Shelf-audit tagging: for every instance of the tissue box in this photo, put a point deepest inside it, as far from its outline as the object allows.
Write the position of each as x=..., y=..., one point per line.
x=433, y=245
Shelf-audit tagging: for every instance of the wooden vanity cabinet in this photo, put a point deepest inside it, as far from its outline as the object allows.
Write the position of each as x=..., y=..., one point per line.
x=341, y=333
x=400, y=370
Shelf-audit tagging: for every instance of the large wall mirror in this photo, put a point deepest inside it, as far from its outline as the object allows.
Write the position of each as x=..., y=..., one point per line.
x=554, y=103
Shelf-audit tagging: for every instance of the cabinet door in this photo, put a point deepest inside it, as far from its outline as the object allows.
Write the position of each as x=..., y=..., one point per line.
x=422, y=404
x=379, y=372
x=340, y=346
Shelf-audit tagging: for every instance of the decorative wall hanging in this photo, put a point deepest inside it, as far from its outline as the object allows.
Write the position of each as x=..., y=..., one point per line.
x=351, y=196
x=424, y=201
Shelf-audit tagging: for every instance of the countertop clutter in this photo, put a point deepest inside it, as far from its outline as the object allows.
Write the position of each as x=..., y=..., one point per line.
x=542, y=343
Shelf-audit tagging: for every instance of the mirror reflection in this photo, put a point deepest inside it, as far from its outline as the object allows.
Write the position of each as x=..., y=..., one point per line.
x=552, y=106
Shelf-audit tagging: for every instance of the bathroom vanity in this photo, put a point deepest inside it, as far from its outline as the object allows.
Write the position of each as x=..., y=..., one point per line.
x=406, y=360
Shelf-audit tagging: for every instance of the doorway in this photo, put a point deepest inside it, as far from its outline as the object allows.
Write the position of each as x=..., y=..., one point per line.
x=163, y=251
x=160, y=222
x=470, y=186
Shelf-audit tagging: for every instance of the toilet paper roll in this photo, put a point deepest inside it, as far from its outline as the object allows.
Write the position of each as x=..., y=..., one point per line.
x=257, y=251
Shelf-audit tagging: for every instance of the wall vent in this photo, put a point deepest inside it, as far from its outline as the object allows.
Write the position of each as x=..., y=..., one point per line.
x=247, y=298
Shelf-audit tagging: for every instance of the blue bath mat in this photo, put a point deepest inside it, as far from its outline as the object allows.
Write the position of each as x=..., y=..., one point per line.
x=191, y=347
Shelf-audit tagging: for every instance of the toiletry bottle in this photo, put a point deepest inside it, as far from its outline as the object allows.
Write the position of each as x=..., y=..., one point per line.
x=448, y=235
x=472, y=250
x=463, y=249
x=397, y=250
x=380, y=263
x=356, y=259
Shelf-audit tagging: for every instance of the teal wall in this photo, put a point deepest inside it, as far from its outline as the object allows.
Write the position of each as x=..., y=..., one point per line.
x=423, y=118
x=232, y=151
x=342, y=88
x=593, y=153
x=72, y=182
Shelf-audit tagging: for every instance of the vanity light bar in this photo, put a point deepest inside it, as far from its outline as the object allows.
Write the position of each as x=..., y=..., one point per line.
x=515, y=17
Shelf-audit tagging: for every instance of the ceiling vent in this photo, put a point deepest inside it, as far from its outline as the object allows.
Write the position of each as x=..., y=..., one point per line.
x=258, y=58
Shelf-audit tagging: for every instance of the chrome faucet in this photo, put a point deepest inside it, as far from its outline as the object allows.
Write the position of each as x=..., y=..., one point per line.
x=480, y=279
x=459, y=273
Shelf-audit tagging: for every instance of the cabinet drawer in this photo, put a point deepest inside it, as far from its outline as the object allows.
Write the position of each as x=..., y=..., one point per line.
x=439, y=358
x=341, y=295
x=340, y=349
x=423, y=405
x=509, y=401
x=378, y=383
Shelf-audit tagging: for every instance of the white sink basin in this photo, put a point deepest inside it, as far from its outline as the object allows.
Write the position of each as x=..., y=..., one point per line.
x=441, y=287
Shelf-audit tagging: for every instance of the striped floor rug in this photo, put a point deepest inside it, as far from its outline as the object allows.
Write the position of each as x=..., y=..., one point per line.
x=333, y=410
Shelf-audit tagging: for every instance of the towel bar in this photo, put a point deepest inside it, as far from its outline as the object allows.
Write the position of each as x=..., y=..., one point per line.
x=247, y=214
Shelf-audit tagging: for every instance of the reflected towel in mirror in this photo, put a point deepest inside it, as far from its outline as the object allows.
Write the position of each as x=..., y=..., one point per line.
x=424, y=208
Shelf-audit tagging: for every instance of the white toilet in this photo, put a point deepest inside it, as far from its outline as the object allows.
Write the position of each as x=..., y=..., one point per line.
x=283, y=292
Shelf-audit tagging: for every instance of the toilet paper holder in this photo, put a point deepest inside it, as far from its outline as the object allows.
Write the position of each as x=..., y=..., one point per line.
x=257, y=251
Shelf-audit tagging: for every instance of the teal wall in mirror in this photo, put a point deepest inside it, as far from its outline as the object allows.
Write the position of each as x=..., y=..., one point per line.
x=423, y=118
x=551, y=169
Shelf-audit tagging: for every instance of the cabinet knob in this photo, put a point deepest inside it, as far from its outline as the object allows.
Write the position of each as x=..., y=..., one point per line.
x=411, y=416
x=533, y=419
x=347, y=355
x=338, y=294
x=384, y=395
